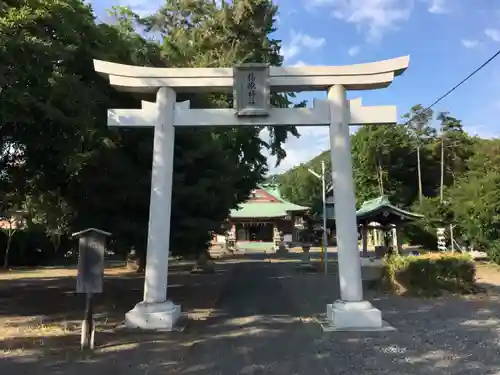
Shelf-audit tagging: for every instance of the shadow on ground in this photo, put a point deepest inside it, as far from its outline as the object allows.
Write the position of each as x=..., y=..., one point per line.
x=52, y=299
x=263, y=323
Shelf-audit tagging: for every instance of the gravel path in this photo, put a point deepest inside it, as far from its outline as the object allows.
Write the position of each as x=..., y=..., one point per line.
x=449, y=335
x=256, y=329
x=263, y=324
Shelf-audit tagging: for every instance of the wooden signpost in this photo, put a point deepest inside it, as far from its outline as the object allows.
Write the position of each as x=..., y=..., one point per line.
x=89, y=280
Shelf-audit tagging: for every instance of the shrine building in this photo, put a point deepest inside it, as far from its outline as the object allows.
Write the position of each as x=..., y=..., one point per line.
x=264, y=213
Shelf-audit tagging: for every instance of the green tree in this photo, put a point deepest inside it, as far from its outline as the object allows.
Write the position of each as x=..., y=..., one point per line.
x=418, y=121
x=383, y=163
x=476, y=197
x=300, y=186
x=203, y=34
x=455, y=148
x=12, y=219
x=53, y=213
x=54, y=112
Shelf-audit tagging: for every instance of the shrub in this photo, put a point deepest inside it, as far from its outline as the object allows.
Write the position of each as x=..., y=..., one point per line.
x=493, y=251
x=430, y=274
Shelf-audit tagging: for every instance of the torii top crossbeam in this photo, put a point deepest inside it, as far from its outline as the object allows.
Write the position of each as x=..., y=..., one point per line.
x=366, y=76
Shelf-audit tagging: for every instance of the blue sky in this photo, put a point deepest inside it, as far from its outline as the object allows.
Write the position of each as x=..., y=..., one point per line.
x=446, y=40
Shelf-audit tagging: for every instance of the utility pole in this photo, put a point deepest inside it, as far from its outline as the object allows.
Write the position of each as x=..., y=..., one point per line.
x=441, y=189
x=323, y=195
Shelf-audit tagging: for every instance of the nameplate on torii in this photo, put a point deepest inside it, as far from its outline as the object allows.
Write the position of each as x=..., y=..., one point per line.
x=251, y=93
x=318, y=115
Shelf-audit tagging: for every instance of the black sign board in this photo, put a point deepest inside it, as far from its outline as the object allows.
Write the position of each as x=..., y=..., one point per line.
x=91, y=245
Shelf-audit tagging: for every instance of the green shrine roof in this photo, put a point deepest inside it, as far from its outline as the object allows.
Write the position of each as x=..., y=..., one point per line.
x=382, y=206
x=277, y=209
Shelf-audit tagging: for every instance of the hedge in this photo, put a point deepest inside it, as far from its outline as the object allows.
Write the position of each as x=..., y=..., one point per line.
x=430, y=274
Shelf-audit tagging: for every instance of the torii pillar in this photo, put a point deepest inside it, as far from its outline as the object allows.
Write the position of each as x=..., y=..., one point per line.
x=351, y=310
x=155, y=311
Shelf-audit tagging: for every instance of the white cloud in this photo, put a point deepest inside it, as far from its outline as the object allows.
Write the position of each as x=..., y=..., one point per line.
x=299, y=63
x=437, y=6
x=469, y=43
x=493, y=34
x=354, y=51
x=142, y=7
x=313, y=141
x=482, y=130
x=298, y=42
x=377, y=16
x=311, y=42
x=290, y=51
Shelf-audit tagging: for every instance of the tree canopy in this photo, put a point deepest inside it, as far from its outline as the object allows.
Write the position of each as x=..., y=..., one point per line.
x=62, y=169
x=66, y=170
x=432, y=149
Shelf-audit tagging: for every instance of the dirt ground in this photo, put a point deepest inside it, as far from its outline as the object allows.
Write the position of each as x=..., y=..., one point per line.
x=488, y=276
x=38, y=306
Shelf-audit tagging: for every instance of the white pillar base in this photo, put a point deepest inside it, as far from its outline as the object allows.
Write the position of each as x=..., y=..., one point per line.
x=354, y=316
x=153, y=316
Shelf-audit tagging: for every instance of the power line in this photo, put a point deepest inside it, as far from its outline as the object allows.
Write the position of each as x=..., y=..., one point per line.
x=455, y=87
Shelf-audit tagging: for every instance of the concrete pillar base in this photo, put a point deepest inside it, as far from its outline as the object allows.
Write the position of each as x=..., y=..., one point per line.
x=353, y=316
x=153, y=316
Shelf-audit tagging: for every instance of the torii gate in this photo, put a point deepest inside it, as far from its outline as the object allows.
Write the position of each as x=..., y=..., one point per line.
x=252, y=84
